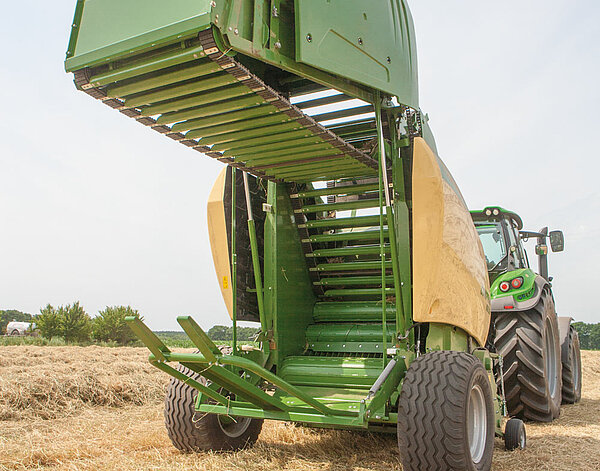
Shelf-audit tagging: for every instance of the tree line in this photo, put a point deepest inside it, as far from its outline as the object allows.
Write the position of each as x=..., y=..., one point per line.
x=589, y=335
x=222, y=332
x=72, y=323
x=75, y=325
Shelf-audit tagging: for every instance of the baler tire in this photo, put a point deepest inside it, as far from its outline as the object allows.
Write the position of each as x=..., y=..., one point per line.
x=571, y=370
x=191, y=432
x=439, y=394
x=515, y=436
x=532, y=390
x=15, y=333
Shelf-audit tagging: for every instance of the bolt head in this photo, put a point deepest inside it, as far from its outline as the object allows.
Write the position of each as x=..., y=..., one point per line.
x=309, y=37
x=235, y=31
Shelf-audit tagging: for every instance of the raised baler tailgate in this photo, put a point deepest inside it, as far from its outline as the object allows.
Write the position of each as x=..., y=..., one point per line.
x=105, y=29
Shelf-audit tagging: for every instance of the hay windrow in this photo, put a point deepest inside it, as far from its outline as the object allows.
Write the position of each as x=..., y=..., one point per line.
x=52, y=382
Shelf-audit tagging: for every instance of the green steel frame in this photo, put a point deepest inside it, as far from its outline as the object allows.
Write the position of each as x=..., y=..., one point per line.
x=203, y=80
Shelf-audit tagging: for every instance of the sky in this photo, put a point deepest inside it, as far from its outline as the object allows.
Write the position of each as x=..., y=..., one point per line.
x=98, y=209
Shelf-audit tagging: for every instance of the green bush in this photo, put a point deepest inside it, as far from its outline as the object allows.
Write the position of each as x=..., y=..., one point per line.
x=49, y=323
x=76, y=324
x=110, y=326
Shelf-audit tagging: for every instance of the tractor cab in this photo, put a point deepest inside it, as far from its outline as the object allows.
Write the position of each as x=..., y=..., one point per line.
x=502, y=236
x=499, y=232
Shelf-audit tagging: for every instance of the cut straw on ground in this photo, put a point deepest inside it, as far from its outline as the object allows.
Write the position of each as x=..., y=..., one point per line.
x=117, y=423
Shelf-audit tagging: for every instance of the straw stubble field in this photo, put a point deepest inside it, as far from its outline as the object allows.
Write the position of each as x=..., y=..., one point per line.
x=97, y=408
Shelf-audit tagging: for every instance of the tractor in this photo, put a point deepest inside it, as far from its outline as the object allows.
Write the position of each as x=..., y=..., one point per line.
x=541, y=360
x=335, y=225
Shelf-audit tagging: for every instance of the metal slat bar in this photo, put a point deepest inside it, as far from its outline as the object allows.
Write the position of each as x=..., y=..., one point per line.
x=237, y=126
x=359, y=221
x=346, y=236
x=343, y=113
x=353, y=126
x=163, y=79
x=328, y=176
x=338, y=190
x=231, y=117
x=346, y=251
x=290, y=157
x=353, y=280
x=344, y=266
x=291, y=151
x=144, y=66
x=233, y=146
x=328, y=100
x=205, y=98
x=209, y=110
x=283, y=145
x=168, y=93
x=360, y=292
x=331, y=162
x=360, y=204
x=324, y=158
x=256, y=132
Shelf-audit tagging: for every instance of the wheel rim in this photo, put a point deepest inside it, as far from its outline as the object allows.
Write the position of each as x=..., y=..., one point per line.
x=551, y=362
x=477, y=423
x=233, y=427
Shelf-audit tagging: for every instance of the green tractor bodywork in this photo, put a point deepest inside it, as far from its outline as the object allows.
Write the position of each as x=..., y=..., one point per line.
x=501, y=232
x=292, y=93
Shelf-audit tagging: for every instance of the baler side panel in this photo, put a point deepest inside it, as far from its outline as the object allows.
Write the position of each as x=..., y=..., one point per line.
x=449, y=272
x=371, y=43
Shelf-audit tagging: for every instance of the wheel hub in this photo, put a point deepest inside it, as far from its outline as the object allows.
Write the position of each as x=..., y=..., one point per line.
x=476, y=423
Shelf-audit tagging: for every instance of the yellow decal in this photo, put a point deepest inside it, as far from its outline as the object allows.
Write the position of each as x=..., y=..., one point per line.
x=225, y=282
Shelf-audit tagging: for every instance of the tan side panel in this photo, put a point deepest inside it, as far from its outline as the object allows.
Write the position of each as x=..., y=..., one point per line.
x=449, y=272
x=217, y=234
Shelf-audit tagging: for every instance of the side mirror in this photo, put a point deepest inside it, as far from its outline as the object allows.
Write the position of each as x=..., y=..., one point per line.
x=557, y=241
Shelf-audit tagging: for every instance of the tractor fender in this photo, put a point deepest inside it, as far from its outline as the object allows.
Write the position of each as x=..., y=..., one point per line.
x=508, y=303
x=564, y=324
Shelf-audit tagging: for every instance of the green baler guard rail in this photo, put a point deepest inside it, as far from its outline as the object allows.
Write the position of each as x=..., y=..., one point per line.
x=213, y=361
x=216, y=367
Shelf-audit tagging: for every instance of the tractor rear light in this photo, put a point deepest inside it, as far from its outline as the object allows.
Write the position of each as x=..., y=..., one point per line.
x=504, y=286
x=517, y=282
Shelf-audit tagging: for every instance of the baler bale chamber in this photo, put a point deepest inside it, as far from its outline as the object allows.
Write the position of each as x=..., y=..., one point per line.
x=336, y=226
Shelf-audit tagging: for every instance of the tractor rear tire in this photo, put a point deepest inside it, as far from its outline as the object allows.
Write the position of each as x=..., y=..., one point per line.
x=529, y=344
x=571, y=369
x=194, y=432
x=446, y=414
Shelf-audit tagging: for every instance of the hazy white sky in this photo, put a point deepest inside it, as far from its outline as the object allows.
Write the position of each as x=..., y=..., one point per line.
x=96, y=208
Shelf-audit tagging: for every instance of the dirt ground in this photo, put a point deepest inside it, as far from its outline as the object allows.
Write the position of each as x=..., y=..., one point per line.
x=94, y=408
